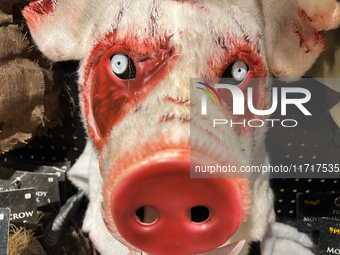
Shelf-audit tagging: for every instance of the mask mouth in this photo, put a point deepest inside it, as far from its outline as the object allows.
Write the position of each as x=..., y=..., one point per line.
x=156, y=207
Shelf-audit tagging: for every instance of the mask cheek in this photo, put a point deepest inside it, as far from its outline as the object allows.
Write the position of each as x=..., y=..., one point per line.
x=109, y=95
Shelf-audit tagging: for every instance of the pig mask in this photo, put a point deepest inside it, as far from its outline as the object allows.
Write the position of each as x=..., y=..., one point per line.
x=136, y=61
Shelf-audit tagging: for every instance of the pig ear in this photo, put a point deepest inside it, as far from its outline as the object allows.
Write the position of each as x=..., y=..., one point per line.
x=293, y=34
x=62, y=28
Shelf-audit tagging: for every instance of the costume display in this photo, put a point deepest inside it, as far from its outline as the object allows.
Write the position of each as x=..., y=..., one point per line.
x=176, y=98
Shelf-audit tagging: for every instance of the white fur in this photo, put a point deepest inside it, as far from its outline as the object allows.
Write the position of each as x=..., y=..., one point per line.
x=282, y=239
x=93, y=222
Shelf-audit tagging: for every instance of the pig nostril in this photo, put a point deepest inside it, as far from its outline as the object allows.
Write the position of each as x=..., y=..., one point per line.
x=199, y=214
x=147, y=214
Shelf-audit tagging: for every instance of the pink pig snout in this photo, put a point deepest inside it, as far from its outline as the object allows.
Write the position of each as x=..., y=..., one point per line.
x=159, y=209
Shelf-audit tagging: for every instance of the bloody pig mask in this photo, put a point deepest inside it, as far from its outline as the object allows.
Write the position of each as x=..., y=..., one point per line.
x=136, y=61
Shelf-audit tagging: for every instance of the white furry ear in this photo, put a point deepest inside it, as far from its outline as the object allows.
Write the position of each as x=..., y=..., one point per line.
x=63, y=29
x=292, y=33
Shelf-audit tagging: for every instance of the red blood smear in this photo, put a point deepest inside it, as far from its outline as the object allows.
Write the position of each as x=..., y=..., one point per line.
x=178, y=100
x=113, y=98
x=310, y=43
x=42, y=7
x=194, y=3
x=305, y=16
x=242, y=49
x=35, y=11
x=319, y=21
x=108, y=98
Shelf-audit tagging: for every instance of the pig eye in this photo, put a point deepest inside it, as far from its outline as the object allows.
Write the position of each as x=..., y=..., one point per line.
x=236, y=72
x=123, y=66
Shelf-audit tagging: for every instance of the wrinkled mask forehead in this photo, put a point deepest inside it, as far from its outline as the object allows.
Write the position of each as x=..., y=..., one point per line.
x=197, y=26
